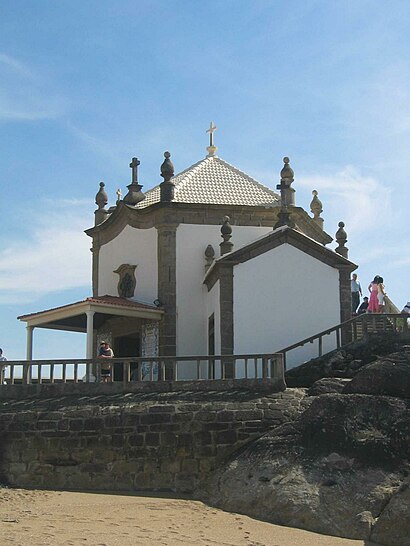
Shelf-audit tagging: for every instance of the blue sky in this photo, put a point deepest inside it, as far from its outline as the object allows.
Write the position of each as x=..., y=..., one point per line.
x=86, y=85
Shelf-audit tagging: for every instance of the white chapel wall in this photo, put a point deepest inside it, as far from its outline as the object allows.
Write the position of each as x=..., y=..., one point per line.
x=282, y=297
x=191, y=241
x=136, y=247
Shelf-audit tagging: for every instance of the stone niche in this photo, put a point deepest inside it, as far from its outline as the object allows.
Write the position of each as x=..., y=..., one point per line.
x=127, y=282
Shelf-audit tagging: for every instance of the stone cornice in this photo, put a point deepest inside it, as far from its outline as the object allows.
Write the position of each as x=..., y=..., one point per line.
x=161, y=214
x=278, y=237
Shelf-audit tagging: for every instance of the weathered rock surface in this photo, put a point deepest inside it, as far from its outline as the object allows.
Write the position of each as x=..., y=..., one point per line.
x=328, y=385
x=387, y=376
x=394, y=521
x=345, y=362
x=333, y=470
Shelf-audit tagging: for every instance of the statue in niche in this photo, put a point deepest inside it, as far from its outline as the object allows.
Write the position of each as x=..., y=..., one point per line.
x=127, y=282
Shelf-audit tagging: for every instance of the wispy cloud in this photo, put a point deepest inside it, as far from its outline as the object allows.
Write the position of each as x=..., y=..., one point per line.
x=358, y=197
x=53, y=257
x=24, y=96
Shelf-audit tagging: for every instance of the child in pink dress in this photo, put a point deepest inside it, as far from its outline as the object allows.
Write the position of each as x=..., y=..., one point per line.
x=374, y=290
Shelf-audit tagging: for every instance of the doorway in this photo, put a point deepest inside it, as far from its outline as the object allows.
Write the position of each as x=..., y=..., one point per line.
x=125, y=346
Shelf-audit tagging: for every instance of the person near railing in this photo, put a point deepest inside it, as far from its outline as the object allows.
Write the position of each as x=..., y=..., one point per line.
x=105, y=352
x=363, y=306
x=2, y=366
x=377, y=295
x=356, y=290
x=406, y=311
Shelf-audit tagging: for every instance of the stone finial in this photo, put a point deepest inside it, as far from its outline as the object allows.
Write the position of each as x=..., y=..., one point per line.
x=211, y=149
x=287, y=194
x=341, y=238
x=317, y=208
x=119, y=195
x=287, y=174
x=167, y=187
x=134, y=195
x=167, y=168
x=209, y=256
x=226, y=234
x=101, y=199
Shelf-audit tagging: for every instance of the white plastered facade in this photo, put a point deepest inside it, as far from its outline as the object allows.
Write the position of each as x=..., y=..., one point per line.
x=192, y=295
x=297, y=297
x=135, y=247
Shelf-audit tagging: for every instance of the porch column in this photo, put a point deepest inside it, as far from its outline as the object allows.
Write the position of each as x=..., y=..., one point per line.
x=90, y=334
x=90, y=345
x=29, y=345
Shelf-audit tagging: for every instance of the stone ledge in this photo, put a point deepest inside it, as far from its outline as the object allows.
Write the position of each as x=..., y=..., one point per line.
x=46, y=390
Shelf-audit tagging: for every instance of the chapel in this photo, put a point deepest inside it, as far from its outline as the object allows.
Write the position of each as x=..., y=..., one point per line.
x=208, y=262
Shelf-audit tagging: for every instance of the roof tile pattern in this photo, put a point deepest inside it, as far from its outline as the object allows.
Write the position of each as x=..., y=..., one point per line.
x=214, y=181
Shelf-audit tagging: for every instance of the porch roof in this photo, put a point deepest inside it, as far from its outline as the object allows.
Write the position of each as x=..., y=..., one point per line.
x=73, y=316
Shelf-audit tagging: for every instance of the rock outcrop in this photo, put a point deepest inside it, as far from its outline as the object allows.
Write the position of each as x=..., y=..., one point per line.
x=345, y=362
x=387, y=376
x=340, y=468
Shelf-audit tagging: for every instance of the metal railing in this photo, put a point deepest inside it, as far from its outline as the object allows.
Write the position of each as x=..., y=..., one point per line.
x=352, y=330
x=129, y=369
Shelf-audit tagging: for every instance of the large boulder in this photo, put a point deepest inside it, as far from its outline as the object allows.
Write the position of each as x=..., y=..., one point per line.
x=333, y=470
x=394, y=521
x=387, y=376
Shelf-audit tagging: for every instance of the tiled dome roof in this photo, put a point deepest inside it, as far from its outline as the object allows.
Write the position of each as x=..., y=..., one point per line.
x=213, y=181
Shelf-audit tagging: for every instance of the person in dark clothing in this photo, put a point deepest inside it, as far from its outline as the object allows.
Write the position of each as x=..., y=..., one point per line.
x=363, y=306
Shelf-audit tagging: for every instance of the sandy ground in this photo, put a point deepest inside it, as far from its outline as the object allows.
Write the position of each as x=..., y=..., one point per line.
x=34, y=518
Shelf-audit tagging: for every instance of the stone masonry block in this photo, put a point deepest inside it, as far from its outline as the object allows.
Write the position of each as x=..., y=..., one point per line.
x=152, y=419
x=152, y=438
x=248, y=415
x=136, y=440
x=162, y=409
x=226, y=437
x=226, y=416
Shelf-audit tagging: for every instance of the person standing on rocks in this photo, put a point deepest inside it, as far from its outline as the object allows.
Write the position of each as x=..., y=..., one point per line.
x=356, y=292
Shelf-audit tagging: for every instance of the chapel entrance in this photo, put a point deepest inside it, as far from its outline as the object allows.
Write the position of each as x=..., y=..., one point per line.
x=125, y=346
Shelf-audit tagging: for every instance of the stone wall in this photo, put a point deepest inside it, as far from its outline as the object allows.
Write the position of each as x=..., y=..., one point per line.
x=133, y=441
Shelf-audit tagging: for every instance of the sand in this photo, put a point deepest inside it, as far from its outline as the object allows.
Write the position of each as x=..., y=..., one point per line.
x=34, y=518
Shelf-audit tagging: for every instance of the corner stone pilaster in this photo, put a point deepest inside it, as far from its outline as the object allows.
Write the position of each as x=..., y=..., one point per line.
x=167, y=291
x=95, y=267
x=226, y=313
x=345, y=300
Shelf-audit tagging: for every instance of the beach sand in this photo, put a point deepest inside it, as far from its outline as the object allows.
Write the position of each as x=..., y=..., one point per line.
x=34, y=518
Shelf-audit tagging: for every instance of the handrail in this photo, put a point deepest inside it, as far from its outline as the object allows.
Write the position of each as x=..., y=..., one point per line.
x=395, y=322
x=202, y=367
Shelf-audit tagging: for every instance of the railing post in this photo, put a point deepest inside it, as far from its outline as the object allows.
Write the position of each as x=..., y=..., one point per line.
x=264, y=368
x=211, y=368
x=277, y=367
x=26, y=373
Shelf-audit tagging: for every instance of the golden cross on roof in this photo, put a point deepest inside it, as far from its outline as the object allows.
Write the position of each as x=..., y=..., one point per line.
x=211, y=148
